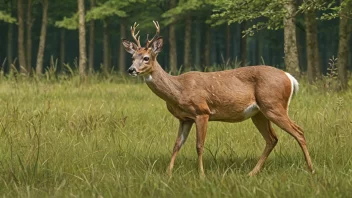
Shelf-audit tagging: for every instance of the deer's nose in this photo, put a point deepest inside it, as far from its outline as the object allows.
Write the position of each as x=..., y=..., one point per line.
x=132, y=70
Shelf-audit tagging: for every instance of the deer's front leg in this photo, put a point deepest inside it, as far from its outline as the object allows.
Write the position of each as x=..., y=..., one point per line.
x=183, y=131
x=202, y=125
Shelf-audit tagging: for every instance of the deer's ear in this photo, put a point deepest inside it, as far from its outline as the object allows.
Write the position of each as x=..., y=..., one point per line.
x=130, y=47
x=157, y=45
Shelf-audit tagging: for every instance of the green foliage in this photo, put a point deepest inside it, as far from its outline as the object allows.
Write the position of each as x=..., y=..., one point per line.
x=7, y=17
x=58, y=10
x=70, y=23
x=67, y=17
x=185, y=8
x=229, y=11
x=335, y=11
x=108, y=9
x=330, y=80
x=316, y=5
x=330, y=9
x=267, y=14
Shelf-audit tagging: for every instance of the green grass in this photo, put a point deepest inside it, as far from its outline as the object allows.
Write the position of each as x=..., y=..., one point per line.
x=110, y=139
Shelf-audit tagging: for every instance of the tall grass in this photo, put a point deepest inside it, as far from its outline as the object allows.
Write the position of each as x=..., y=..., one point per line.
x=113, y=138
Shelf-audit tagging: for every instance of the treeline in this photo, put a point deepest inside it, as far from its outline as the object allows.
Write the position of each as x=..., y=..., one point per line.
x=298, y=36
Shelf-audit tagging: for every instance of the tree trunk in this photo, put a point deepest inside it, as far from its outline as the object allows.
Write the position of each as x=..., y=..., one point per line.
x=313, y=59
x=172, y=43
x=9, y=48
x=299, y=40
x=228, y=43
x=62, y=49
x=343, y=49
x=110, y=48
x=290, y=42
x=207, y=47
x=315, y=47
x=21, y=51
x=39, y=66
x=91, y=41
x=9, y=52
x=188, y=39
x=106, y=48
x=82, y=40
x=257, y=50
x=260, y=48
x=29, y=36
x=198, y=43
x=243, y=44
x=173, y=49
x=122, y=54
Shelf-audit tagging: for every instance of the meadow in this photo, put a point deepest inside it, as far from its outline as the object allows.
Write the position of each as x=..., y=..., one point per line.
x=114, y=138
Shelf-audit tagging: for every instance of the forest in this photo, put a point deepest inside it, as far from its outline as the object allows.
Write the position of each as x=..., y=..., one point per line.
x=309, y=37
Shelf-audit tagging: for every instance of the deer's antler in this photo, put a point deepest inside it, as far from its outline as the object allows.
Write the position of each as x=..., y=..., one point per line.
x=155, y=36
x=133, y=29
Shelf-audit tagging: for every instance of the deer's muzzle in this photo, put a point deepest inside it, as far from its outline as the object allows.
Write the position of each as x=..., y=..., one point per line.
x=132, y=71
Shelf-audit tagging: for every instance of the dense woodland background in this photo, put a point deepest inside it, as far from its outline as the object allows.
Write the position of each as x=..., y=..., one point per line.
x=303, y=37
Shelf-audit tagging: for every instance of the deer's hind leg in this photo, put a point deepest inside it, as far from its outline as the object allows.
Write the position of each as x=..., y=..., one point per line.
x=268, y=133
x=279, y=116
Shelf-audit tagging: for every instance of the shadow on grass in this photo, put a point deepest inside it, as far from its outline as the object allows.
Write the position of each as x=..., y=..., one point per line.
x=160, y=163
x=240, y=165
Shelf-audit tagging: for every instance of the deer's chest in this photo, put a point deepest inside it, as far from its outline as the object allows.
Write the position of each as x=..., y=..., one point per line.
x=182, y=111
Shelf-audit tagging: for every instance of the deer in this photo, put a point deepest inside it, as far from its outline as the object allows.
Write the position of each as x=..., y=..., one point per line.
x=262, y=93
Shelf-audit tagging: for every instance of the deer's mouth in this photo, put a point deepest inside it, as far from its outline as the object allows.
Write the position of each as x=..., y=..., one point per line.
x=134, y=73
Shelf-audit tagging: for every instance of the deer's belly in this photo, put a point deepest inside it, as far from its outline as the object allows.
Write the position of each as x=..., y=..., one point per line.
x=228, y=114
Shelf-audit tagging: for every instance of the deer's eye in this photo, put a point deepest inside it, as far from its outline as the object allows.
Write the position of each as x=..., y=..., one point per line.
x=146, y=58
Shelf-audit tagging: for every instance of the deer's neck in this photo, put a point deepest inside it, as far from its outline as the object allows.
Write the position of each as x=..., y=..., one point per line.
x=163, y=85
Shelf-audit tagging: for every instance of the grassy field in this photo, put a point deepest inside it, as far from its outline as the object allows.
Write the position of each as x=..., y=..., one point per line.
x=114, y=139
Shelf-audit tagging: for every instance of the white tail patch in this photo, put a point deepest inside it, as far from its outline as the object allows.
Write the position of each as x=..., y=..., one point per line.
x=294, y=87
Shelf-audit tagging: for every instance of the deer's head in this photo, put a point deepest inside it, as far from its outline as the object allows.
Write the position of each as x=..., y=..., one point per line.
x=143, y=57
